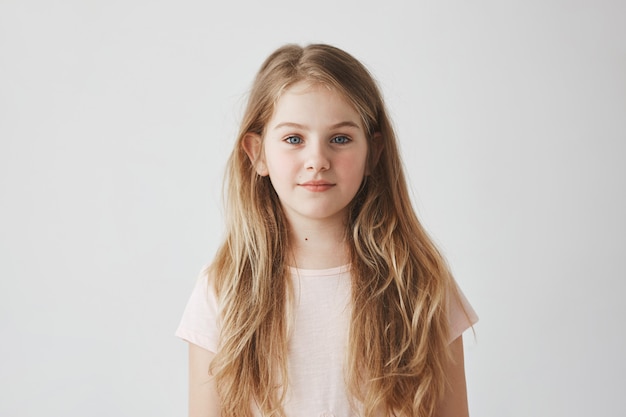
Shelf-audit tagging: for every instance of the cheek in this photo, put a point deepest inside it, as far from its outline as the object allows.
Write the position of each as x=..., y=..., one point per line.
x=279, y=163
x=352, y=165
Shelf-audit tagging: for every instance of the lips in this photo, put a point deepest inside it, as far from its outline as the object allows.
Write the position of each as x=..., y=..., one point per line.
x=317, y=185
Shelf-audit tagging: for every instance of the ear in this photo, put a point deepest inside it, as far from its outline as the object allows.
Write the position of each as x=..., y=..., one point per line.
x=253, y=145
x=376, y=148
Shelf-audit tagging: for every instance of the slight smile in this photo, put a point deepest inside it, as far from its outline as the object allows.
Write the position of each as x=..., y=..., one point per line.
x=317, y=185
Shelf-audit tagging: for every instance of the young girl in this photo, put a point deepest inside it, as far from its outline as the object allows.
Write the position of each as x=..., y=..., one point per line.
x=327, y=297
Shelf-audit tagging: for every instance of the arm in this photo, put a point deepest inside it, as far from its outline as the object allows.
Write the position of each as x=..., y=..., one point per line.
x=454, y=403
x=203, y=399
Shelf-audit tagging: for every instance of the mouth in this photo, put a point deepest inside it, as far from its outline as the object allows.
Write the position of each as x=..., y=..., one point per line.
x=317, y=185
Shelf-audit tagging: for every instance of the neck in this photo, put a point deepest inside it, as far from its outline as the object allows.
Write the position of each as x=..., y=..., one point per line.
x=319, y=244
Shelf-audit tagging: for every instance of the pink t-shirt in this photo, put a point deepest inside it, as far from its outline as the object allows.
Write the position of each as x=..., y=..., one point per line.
x=318, y=341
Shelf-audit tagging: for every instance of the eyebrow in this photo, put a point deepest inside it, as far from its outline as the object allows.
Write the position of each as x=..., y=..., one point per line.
x=347, y=123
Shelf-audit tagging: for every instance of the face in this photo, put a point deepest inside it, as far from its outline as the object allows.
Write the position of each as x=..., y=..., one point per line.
x=315, y=152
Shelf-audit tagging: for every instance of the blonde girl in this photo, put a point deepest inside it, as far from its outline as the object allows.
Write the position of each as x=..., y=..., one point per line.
x=327, y=297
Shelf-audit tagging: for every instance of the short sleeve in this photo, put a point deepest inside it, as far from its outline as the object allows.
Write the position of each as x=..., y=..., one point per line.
x=461, y=315
x=199, y=324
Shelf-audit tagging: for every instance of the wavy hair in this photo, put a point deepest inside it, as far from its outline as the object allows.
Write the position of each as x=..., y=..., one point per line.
x=398, y=341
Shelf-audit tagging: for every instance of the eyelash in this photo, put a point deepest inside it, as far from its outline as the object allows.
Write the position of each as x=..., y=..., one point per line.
x=288, y=139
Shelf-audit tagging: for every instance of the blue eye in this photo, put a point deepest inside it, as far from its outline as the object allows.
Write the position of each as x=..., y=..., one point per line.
x=342, y=140
x=293, y=140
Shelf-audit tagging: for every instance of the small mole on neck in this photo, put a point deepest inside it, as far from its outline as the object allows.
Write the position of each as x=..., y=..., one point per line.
x=306, y=238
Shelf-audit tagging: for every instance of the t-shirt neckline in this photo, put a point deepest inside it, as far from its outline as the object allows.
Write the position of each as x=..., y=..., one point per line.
x=320, y=272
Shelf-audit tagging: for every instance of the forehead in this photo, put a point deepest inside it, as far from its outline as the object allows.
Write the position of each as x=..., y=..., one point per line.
x=313, y=103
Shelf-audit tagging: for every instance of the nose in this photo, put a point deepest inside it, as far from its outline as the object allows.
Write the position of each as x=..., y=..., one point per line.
x=317, y=159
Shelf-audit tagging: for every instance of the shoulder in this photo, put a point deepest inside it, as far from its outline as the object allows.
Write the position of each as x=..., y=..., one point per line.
x=461, y=315
x=199, y=323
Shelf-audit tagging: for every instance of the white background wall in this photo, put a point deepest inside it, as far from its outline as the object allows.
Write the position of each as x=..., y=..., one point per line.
x=115, y=121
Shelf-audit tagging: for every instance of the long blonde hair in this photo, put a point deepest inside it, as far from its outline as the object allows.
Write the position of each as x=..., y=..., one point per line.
x=398, y=342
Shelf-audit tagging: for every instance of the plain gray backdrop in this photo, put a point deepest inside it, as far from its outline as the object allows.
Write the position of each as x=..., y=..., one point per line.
x=116, y=118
